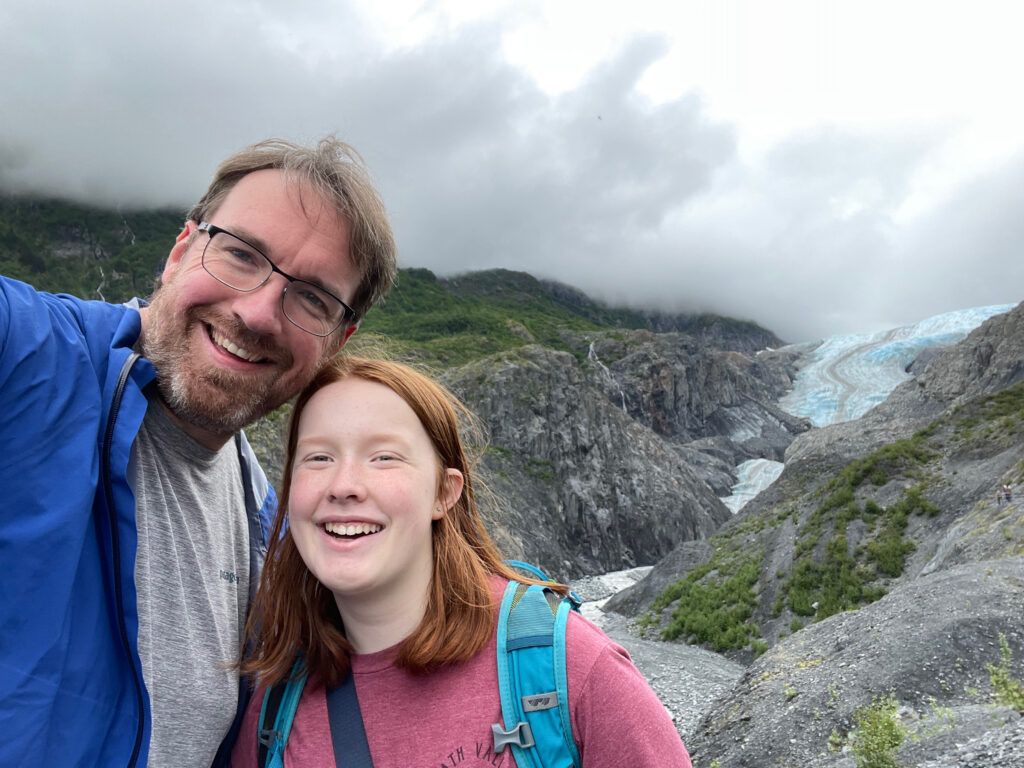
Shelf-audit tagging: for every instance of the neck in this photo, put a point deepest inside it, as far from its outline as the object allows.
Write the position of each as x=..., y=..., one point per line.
x=373, y=624
x=213, y=441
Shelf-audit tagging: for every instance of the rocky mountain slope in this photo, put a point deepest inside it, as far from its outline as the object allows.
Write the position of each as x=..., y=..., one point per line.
x=927, y=644
x=880, y=563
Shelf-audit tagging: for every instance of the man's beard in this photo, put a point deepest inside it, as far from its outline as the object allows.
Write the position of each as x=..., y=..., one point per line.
x=212, y=399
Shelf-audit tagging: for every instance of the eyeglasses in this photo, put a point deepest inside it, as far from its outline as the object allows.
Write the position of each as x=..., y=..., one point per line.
x=237, y=264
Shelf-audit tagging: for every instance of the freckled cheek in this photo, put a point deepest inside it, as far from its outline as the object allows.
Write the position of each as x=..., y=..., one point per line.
x=302, y=499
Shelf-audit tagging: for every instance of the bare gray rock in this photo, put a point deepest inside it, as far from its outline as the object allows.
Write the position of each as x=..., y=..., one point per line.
x=584, y=487
x=929, y=643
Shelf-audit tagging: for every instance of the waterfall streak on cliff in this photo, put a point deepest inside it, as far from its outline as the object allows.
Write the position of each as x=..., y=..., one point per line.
x=592, y=356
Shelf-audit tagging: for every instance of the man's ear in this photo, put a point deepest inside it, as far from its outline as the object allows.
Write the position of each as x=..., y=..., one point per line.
x=453, y=483
x=344, y=338
x=181, y=243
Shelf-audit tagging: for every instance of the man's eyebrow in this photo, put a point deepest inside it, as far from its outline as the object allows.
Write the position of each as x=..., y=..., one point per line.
x=251, y=238
x=258, y=242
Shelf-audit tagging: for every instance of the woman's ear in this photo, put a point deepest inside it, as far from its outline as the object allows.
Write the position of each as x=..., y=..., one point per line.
x=450, y=493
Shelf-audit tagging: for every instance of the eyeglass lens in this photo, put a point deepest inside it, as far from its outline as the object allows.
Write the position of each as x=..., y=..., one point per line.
x=240, y=266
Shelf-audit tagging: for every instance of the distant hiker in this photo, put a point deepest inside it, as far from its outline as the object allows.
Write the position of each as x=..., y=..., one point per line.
x=384, y=574
x=1008, y=493
x=134, y=515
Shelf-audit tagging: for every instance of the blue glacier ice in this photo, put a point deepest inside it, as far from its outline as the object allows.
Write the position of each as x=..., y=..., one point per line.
x=845, y=376
x=753, y=477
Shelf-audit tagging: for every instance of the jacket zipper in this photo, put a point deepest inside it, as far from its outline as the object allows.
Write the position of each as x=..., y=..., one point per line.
x=108, y=486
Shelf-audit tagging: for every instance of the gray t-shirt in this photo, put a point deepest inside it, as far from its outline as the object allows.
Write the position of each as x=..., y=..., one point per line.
x=192, y=579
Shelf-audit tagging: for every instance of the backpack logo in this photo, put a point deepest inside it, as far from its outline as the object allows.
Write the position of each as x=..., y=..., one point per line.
x=540, y=701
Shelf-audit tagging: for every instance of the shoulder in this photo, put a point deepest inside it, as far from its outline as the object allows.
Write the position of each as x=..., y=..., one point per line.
x=29, y=318
x=584, y=638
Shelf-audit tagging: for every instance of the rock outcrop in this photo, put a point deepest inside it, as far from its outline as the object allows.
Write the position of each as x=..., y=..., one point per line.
x=583, y=487
x=946, y=441
x=928, y=643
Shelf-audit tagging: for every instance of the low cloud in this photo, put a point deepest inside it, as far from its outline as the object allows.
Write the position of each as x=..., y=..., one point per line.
x=632, y=201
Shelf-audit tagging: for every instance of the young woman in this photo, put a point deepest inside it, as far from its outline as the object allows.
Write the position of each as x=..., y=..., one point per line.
x=385, y=571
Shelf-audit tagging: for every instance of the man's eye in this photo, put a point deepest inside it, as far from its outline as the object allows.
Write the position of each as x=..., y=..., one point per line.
x=313, y=301
x=237, y=255
x=242, y=255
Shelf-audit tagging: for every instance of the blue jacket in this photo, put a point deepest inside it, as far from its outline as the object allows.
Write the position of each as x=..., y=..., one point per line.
x=71, y=402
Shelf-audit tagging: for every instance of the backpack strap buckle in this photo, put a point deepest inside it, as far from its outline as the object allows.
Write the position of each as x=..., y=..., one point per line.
x=268, y=737
x=519, y=736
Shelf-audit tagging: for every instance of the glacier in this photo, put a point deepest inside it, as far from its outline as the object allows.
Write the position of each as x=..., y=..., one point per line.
x=843, y=377
x=753, y=476
x=846, y=376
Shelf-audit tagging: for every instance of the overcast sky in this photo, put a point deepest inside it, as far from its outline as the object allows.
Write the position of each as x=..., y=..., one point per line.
x=818, y=167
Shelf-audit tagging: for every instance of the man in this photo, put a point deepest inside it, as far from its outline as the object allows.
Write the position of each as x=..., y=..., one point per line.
x=135, y=517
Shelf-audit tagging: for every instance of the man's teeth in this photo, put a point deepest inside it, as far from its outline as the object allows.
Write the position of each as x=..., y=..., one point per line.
x=351, y=529
x=233, y=348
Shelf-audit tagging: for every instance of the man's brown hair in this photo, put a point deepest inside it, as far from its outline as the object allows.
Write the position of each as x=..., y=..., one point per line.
x=335, y=171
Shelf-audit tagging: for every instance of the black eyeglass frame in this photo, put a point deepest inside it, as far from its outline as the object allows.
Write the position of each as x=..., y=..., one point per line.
x=347, y=313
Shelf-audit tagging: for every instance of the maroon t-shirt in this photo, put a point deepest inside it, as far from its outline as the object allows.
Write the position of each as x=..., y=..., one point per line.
x=444, y=718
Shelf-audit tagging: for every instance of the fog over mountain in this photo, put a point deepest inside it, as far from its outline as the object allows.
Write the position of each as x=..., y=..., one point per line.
x=809, y=223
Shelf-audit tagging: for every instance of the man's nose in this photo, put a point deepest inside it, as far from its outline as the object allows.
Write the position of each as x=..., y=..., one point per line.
x=261, y=309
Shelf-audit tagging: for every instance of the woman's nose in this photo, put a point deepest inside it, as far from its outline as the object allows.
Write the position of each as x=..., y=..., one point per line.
x=346, y=485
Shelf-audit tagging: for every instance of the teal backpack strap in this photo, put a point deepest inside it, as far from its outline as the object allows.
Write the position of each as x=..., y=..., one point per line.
x=529, y=568
x=279, y=705
x=536, y=572
x=532, y=679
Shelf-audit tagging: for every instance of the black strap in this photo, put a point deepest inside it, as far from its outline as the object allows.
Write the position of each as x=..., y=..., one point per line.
x=347, y=732
x=268, y=720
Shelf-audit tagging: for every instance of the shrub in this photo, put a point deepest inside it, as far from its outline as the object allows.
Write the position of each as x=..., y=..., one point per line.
x=715, y=609
x=889, y=550
x=1008, y=690
x=879, y=734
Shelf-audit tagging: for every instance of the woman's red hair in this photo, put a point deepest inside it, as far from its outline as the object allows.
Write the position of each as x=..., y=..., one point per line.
x=294, y=616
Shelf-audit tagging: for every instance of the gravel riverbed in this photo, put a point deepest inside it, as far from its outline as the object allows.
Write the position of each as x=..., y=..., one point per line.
x=687, y=679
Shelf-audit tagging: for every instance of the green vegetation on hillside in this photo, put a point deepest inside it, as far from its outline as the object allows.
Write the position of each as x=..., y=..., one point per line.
x=879, y=734
x=1008, y=690
x=714, y=604
x=997, y=418
x=827, y=580
x=88, y=252
x=427, y=320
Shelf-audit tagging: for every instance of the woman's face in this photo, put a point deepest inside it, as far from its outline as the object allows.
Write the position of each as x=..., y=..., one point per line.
x=364, y=492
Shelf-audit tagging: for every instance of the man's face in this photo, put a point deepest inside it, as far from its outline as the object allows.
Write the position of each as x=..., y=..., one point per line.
x=225, y=358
